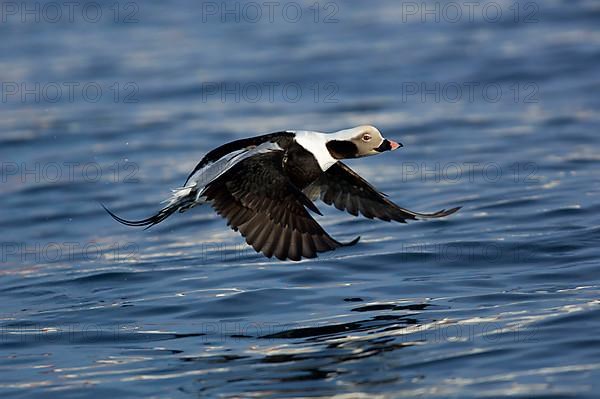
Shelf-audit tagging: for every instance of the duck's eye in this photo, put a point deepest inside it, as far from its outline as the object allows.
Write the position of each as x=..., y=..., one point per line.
x=366, y=137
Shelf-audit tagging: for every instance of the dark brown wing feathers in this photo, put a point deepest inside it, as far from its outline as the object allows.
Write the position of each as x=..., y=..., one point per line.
x=259, y=201
x=343, y=188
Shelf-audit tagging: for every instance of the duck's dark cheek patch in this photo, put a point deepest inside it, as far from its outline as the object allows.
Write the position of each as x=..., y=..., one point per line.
x=342, y=149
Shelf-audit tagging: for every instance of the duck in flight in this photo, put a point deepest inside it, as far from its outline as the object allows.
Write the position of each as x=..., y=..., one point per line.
x=265, y=187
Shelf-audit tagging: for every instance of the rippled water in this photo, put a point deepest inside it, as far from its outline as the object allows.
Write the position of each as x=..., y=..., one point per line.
x=501, y=117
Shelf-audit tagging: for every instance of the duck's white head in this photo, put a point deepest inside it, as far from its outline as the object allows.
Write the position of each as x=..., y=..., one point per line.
x=360, y=141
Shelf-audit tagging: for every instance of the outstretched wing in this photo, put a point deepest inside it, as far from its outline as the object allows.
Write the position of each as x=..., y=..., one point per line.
x=260, y=202
x=343, y=188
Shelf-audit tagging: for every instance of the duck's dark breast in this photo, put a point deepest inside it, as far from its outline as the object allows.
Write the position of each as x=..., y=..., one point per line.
x=300, y=166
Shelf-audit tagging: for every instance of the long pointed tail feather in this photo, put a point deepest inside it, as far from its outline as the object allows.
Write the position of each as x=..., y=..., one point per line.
x=181, y=200
x=148, y=222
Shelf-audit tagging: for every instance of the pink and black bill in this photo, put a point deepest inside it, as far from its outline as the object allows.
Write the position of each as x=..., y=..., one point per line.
x=388, y=145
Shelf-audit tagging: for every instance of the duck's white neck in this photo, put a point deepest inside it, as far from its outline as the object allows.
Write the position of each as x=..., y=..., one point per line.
x=315, y=142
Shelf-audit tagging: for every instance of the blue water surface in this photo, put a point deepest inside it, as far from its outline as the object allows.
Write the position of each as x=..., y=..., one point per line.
x=498, y=113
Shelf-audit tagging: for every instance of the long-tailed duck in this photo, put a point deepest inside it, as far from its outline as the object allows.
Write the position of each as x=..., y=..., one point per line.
x=265, y=185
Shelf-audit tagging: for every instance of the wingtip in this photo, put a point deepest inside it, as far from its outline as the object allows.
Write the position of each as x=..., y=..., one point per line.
x=351, y=243
x=453, y=210
x=439, y=214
